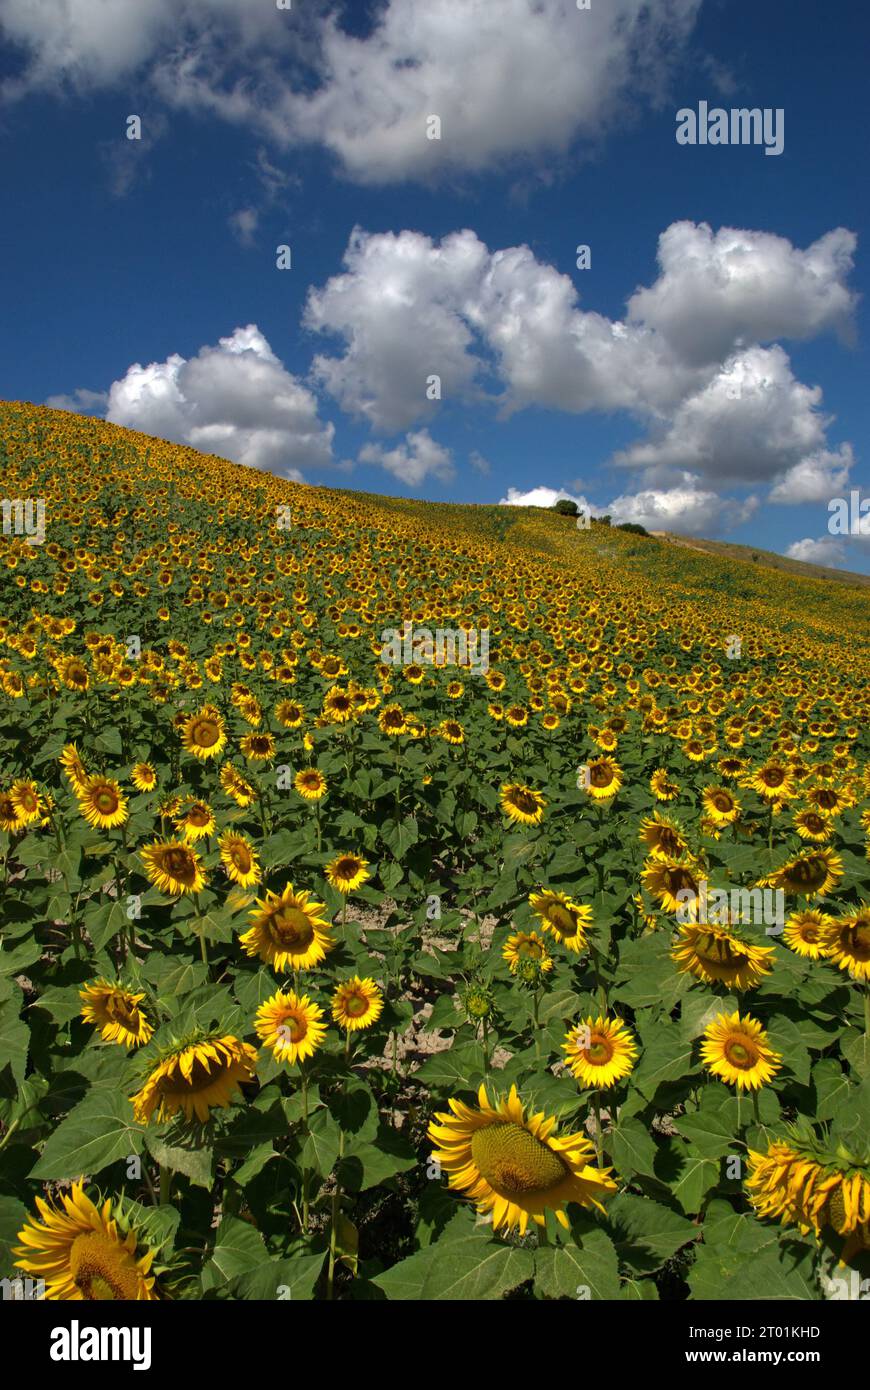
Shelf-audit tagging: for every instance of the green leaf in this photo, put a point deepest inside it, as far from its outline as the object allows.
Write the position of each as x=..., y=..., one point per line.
x=647, y=1233
x=285, y=1280
x=239, y=1249
x=197, y=1164
x=368, y=1164
x=712, y=1129
x=696, y=1176
x=461, y=1066
x=587, y=1270
x=399, y=837
x=473, y=1268
x=722, y=1272
x=12, y=1217
x=96, y=1132
x=665, y=1058
x=632, y=1148
x=15, y=959
x=14, y=1038
x=320, y=1150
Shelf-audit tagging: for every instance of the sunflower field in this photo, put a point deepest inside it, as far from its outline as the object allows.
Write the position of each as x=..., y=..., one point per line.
x=332, y=969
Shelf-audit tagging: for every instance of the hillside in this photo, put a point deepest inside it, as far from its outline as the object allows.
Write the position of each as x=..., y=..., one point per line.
x=317, y=947
x=114, y=485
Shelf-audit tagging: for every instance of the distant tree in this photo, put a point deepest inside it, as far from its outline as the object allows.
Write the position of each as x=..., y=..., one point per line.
x=601, y=520
x=633, y=527
x=565, y=507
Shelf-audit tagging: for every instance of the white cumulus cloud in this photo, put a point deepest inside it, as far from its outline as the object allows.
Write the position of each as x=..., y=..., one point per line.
x=542, y=497
x=417, y=458
x=827, y=550
x=235, y=399
x=516, y=78
x=688, y=509
x=718, y=291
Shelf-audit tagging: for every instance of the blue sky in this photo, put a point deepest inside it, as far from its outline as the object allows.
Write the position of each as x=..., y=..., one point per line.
x=706, y=375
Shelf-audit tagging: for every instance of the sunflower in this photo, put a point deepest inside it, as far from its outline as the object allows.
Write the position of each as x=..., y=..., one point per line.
x=173, y=867
x=829, y=800
x=522, y=804
x=347, y=872
x=102, y=803
x=846, y=942
x=526, y=946
x=720, y=805
x=813, y=825
x=237, y=786
x=258, y=748
x=289, y=714
x=116, y=1013
x=604, y=780
x=564, y=919
x=451, y=731
x=196, y=821
x=809, y=874
x=662, y=785
x=357, y=1003
x=204, y=734
x=290, y=1025
x=11, y=819
x=310, y=783
x=239, y=859
x=288, y=931
x=601, y=1051
x=772, y=782
x=516, y=1166
x=195, y=1077
x=26, y=799
x=803, y=932
x=665, y=878
x=717, y=956
x=737, y=1050
x=143, y=777
x=393, y=721
x=663, y=838
x=799, y=1182
x=79, y=1251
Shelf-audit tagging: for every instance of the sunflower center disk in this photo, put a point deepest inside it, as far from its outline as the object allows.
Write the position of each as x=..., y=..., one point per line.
x=100, y=1269
x=741, y=1054
x=858, y=943
x=513, y=1161
x=292, y=927
x=178, y=864
x=562, y=921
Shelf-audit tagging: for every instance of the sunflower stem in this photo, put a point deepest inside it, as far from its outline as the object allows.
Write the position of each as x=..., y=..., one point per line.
x=599, y=1132
x=303, y=1077
x=165, y=1186
x=336, y=1196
